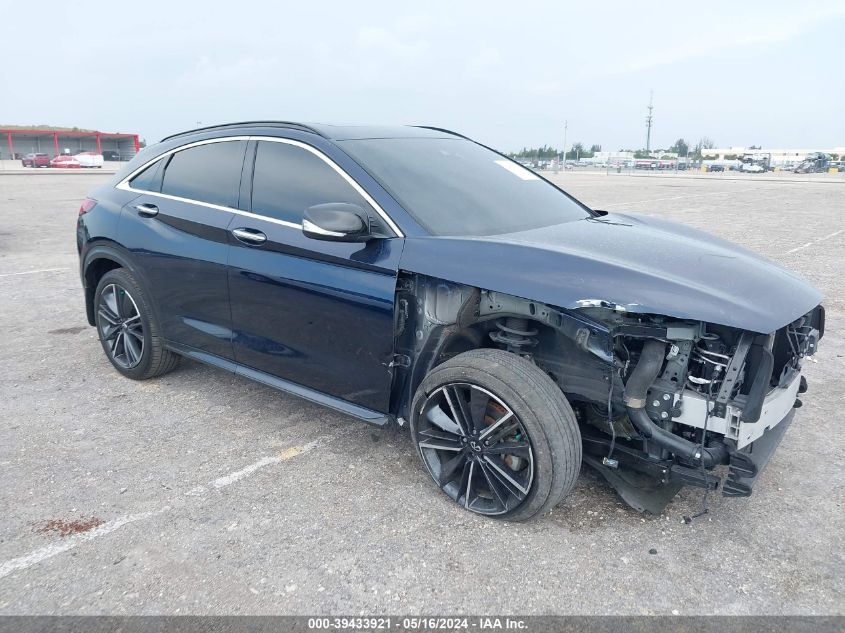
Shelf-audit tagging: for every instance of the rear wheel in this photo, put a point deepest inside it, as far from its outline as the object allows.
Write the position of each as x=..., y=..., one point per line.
x=128, y=329
x=496, y=434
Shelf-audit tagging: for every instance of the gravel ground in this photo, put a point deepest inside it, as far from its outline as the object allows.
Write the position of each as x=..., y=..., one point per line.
x=204, y=493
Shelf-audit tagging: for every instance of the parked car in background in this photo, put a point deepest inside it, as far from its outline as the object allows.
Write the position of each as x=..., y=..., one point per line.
x=646, y=163
x=36, y=160
x=89, y=159
x=65, y=161
x=111, y=155
x=515, y=330
x=715, y=168
x=752, y=168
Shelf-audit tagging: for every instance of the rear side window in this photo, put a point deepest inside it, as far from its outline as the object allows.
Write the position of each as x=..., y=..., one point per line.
x=207, y=173
x=289, y=179
x=148, y=179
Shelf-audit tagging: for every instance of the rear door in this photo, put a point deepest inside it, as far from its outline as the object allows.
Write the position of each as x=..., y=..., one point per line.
x=316, y=313
x=177, y=232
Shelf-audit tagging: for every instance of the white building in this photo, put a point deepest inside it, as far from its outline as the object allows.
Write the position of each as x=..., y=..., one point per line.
x=778, y=157
x=608, y=158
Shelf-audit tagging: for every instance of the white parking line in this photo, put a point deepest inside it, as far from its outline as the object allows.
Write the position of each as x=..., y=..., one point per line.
x=684, y=197
x=222, y=482
x=33, y=272
x=33, y=558
x=48, y=551
x=821, y=239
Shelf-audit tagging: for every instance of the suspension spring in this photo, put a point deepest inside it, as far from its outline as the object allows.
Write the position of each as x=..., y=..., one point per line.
x=515, y=335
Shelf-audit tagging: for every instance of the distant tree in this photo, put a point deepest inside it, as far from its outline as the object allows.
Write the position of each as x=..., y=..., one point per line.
x=575, y=152
x=536, y=153
x=642, y=153
x=755, y=147
x=703, y=143
x=595, y=148
x=681, y=147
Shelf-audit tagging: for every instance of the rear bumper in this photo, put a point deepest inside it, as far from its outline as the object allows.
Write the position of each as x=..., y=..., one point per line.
x=747, y=464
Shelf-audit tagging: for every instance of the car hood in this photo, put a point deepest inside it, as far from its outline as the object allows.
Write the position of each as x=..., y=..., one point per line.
x=641, y=264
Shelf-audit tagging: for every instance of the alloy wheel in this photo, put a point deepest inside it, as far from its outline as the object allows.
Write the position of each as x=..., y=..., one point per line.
x=120, y=326
x=475, y=448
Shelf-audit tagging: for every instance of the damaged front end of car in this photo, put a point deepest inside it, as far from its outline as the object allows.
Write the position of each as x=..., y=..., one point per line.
x=690, y=396
x=661, y=402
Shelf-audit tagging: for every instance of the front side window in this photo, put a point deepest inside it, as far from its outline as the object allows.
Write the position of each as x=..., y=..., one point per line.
x=208, y=173
x=288, y=179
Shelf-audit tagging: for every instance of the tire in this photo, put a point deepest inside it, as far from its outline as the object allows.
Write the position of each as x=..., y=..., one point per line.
x=127, y=328
x=523, y=402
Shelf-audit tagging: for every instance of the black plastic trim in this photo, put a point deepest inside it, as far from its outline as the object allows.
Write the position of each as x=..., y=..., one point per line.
x=362, y=413
x=747, y=464
x=759, y=388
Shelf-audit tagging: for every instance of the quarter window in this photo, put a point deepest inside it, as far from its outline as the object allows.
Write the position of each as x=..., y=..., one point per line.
x=208, y=173
x=147, y=180
x=288, y=179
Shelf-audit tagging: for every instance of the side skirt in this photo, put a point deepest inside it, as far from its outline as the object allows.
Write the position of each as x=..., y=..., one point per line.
x=362, y=413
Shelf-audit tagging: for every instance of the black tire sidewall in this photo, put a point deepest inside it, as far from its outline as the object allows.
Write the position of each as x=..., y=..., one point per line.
x=122, y=278
x=549, y=445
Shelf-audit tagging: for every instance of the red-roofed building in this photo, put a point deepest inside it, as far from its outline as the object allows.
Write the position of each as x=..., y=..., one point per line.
x=20, y=141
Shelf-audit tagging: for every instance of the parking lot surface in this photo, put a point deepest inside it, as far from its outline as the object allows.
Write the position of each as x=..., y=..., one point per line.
x=204, y=493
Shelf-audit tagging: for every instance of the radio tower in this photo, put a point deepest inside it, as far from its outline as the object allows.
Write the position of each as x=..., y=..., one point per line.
x=648, y=121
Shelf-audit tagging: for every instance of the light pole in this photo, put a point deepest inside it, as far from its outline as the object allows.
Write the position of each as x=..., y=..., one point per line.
x=565, y=127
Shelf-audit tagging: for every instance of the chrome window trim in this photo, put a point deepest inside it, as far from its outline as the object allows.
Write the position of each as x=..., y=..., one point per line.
x=123, y=185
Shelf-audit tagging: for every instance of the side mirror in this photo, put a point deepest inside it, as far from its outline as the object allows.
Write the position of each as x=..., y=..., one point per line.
x=336, y=222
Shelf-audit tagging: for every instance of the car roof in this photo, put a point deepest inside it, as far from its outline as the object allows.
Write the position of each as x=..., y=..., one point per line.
x=333, y=132
x=350, y=132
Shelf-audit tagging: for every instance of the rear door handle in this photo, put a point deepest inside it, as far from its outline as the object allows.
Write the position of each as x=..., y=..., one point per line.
x=249, y=236
x=147, y=210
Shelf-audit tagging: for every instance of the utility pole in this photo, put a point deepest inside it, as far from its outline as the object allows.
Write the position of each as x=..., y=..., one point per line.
x=565, y=127
x=648, y=121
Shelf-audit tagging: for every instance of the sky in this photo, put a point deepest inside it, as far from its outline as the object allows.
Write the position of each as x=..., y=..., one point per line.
x=508, y=74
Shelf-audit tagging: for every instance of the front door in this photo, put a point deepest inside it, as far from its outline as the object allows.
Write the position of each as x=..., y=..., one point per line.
x=319, y=314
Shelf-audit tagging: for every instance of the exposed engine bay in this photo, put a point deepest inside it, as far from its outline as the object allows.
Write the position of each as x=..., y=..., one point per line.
x=661, y=402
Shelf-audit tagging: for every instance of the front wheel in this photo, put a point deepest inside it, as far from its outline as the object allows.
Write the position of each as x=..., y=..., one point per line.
x=496, y=434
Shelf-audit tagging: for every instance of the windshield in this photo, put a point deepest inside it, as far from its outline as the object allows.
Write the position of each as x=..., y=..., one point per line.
x=453, y=186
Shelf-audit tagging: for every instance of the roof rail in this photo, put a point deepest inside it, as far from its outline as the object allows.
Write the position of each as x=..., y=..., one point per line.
x=223, y=126
x=441, y=129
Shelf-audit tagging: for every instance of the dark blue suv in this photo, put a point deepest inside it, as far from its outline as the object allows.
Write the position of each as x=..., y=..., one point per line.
x=411, y=275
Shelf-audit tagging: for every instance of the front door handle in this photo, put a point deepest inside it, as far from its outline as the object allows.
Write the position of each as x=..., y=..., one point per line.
x=249, y=236
x=147, y=210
